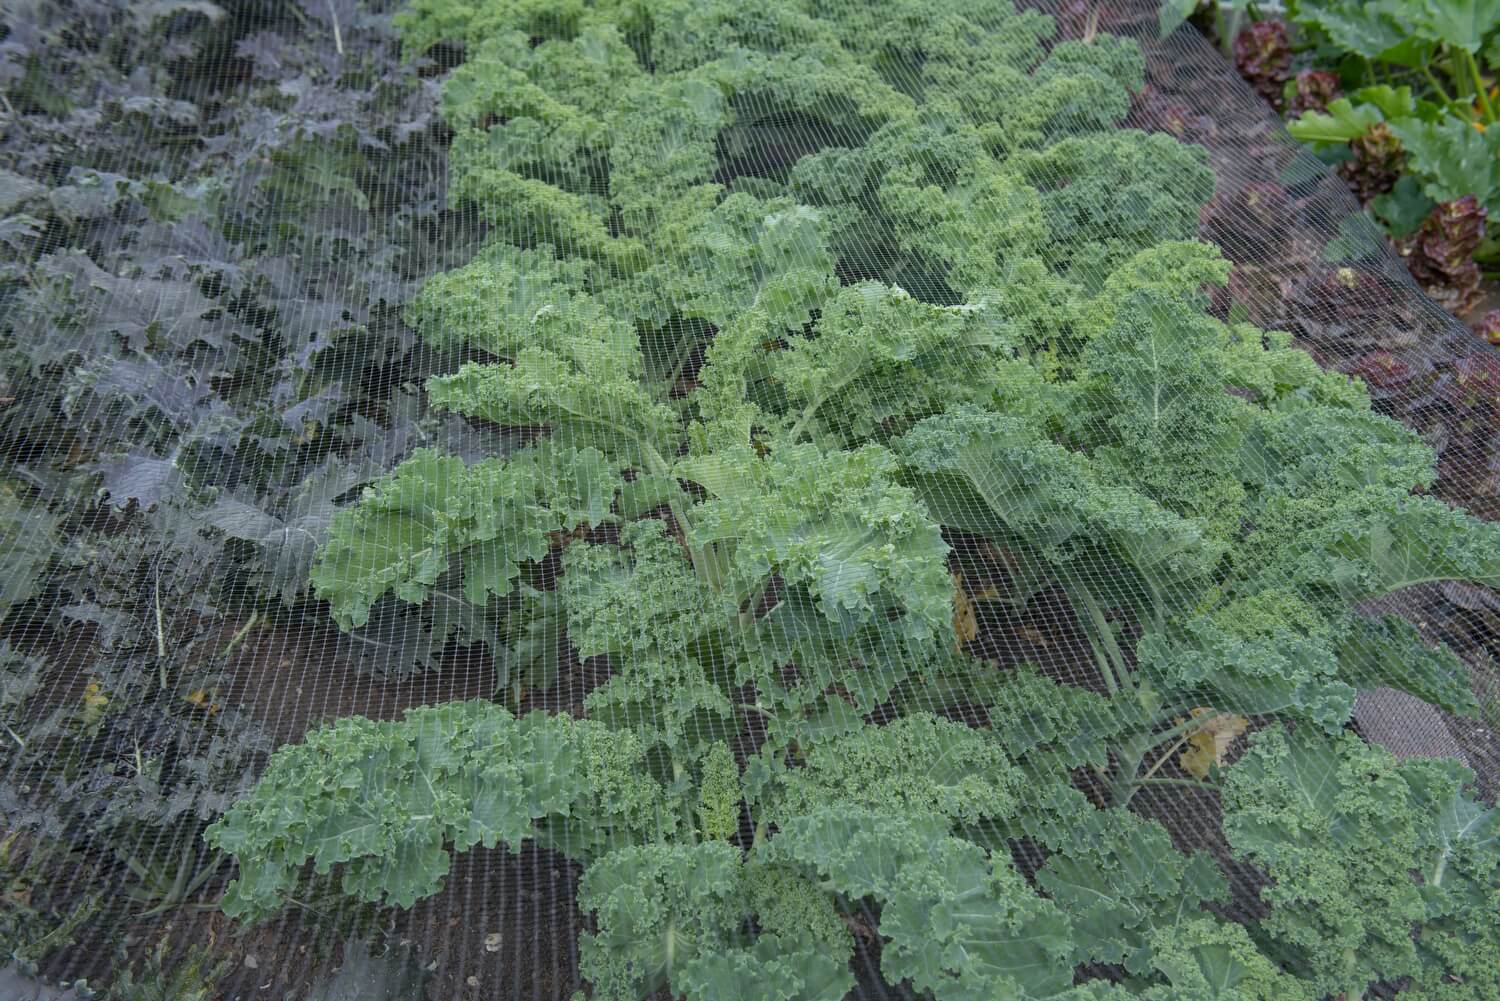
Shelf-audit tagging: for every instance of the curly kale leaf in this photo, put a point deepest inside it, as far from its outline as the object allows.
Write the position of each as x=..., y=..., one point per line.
x=657, y=906
x=495, y=514
x=663, y=145
x=1204, y=958
x=924, y=206
x=863, y=663
x=879, y=360
x=957, y=921
x=1154, y=407
x=521, y=209
x=1109, y=56
x=640, y=598
x=921, y=765
x=385, y=801
x=1280, y=649
x=999, y=477
x=834, y=523
x=1175, y=269
x=675, y=913
x=972, y=232
x=1123, y=884
x=770, y=970
x=494, y=302
x=1243, y=658
x=1061, y=103
x=1304, y=450
x=671, y=703
x=793, y=908
x=1341, y=827
x=568, y=86
x=1390, y=651
x=586, y=398
x=1286, y=378
x=965, y=61
x=1107, y=196
x=741, y=253
x=1396, y=542
x=685, y=34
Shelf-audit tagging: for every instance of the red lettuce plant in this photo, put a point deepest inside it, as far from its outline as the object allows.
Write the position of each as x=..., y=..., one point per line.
x=1440, y=254
x=1263, y=55
x=1312, y=90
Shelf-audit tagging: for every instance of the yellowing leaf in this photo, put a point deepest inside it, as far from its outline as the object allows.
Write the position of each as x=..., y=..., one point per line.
x=94, y=700
x=92, y=696
x=203, y=699
x=965, y=622
x=1210, y=742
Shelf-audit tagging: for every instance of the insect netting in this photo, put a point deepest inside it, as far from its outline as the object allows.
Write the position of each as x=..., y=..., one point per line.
x=716, y=500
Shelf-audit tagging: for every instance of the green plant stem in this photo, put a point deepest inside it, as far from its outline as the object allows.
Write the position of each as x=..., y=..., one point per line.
x=243, y=631
x=756, y=707
x=1115, y=677
x=1163, y=759
x=1484, y=97
x=1435, y=84
x=14, y=736
x=747, y=617
x=1125, y=783
x=1190, y=783
x=1458, y=73
x=670, y=382
x=1177, y=729
x=810, y=412
x=338, y=36
x=1101, y=659
x=658, y=465
x=161, y=636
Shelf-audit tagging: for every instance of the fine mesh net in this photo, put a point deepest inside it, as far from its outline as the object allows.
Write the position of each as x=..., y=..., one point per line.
x=722, y=500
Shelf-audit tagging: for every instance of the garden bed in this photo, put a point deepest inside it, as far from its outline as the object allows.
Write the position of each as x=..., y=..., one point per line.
x=215, y=346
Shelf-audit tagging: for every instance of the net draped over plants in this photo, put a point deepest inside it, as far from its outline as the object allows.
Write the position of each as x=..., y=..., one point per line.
x=720, y=500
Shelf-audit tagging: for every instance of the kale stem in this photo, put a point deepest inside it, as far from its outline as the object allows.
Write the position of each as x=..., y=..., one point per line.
x=807, y=415
x=1125, y=783
x=1114, y=673
x=241, y=633
x=1191, y=723
x=1163, y=759
x=1190, y=783
x=338, y=36
x=14, y=736
x=658, y=465
x=812, y=408
x=747, y=617
x=161, y=638
x=757, y=707
x=1105, y=671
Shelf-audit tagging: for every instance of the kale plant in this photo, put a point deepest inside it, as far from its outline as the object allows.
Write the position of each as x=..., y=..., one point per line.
x=785, y=305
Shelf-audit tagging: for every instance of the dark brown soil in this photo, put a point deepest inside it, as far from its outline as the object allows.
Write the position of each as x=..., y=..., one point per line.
x=293, y=679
